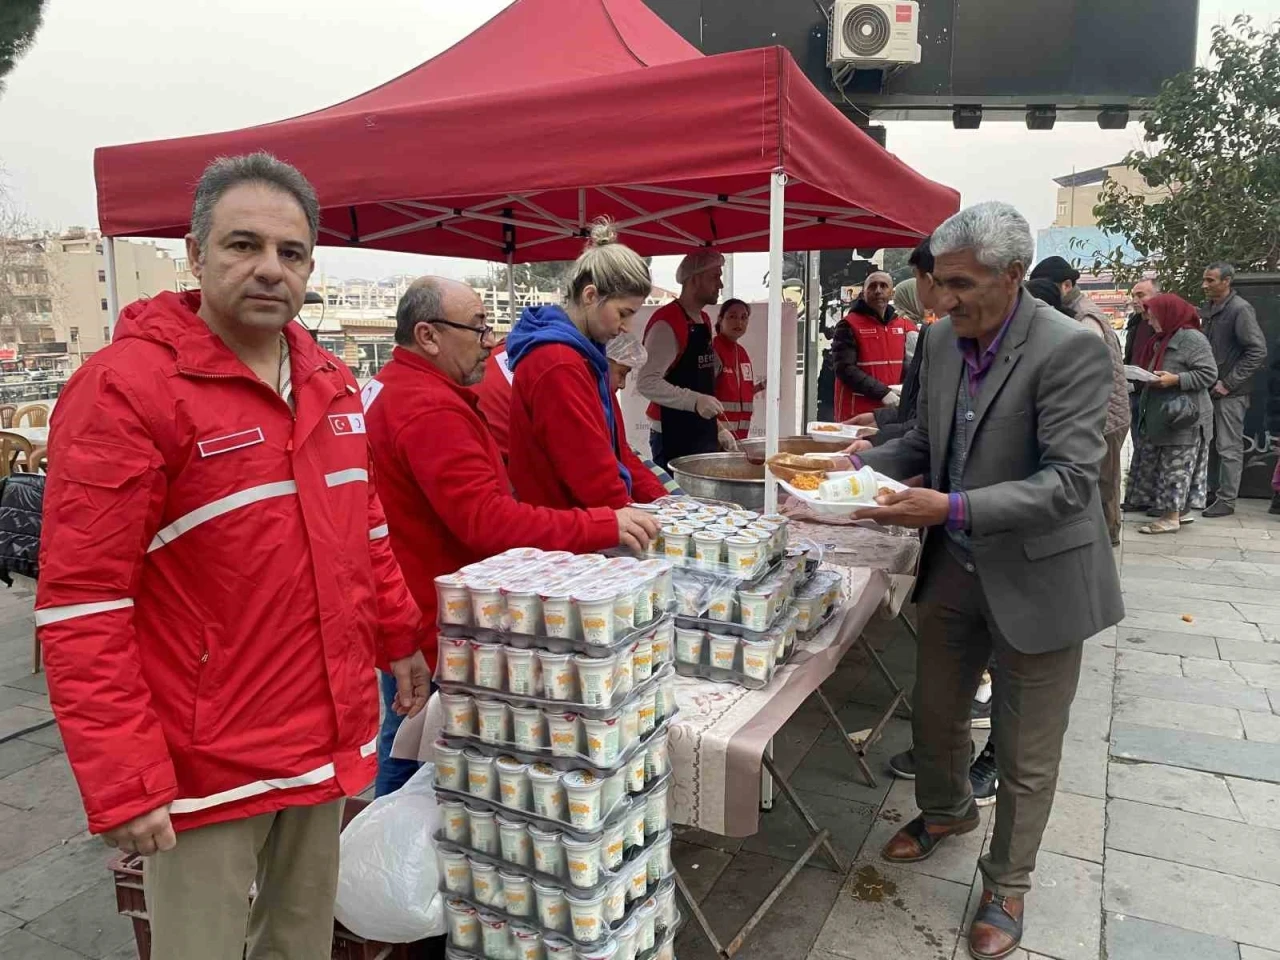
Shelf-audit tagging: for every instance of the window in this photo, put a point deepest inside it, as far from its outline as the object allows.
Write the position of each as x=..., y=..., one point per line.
x=102, y=276
x=1062, y=208
x=97, y=248
x=74, y=333
x=103, y=301
x=46, y=305
x=106, y=334
x=41, y=276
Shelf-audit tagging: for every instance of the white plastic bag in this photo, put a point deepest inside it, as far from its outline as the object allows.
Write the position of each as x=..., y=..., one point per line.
x=388, y=878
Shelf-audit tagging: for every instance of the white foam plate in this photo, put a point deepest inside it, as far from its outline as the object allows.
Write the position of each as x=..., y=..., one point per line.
x=843, y=431
x=825, y=508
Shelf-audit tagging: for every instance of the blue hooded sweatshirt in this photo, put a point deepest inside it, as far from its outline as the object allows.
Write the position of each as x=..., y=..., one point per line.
x=538, y=326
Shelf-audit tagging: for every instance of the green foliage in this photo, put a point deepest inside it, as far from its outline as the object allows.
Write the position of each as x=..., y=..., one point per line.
x=19, y=21
x=1213, y=140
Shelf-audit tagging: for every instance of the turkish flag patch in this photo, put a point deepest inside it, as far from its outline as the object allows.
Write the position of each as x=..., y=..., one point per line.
x=346, y=423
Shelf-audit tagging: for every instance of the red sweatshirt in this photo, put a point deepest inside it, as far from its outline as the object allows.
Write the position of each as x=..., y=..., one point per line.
x=561, y=454
x=444, y=488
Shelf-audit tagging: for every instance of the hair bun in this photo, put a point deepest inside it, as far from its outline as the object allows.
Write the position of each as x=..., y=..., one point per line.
x=603, y=232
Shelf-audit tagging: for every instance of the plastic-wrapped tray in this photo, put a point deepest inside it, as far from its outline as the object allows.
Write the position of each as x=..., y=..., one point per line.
x=526, y=679
x=604, y=877
x=832, y=612
x=610, y=947
x=576, y=644
x=737, y=629
x=568, y=740
x=615, y=813
x=726, y=658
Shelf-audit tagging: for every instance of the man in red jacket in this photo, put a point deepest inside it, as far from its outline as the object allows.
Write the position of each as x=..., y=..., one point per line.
x=447, y=494
x=216, y=585
x=869, y=351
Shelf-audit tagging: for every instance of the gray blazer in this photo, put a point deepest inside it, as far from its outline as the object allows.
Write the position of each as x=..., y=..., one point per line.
x=1040, y=542
x=1191, y=358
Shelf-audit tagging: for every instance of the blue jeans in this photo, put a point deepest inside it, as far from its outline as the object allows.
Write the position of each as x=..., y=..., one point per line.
x=655, y=448
x=392, y=774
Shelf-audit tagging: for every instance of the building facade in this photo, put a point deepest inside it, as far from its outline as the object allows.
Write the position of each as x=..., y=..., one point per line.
x=1079, y=192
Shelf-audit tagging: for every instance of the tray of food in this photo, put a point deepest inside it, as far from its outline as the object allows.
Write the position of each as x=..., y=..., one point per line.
x=823, y=430
x=840, y=494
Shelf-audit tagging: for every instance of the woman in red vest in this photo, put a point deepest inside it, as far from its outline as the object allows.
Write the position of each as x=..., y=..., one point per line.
x=870, y=351
x=736, y=386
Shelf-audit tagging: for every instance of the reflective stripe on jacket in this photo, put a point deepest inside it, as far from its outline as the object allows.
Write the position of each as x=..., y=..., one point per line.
x=881, y=353
x=735, y=386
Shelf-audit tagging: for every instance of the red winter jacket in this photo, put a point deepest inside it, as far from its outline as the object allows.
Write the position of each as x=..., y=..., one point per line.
x=445, y=489
x=494, y=396
x=215, y=578
x=561, y=454
x=735, y=385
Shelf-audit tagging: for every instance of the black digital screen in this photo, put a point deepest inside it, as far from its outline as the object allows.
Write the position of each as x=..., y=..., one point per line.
x=1078, y=54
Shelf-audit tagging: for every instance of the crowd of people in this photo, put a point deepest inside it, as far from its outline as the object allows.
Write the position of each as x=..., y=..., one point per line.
x=235, y=533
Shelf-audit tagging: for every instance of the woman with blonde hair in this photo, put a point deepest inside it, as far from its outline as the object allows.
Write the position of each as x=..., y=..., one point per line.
x=567, y=444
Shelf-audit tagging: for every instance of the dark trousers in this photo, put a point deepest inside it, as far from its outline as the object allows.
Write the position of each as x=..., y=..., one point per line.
x=655, y=448
x=1134, y=399
x=1030, y=707
x=392, y=773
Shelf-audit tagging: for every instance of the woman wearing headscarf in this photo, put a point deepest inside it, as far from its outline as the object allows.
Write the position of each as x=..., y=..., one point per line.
x=1170, y=469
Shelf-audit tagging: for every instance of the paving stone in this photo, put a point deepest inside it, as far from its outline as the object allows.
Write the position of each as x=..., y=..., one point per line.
x=49, y=736
x=1261, y=614
x=1155, y=546
x=1083, y=769
x=1097, y=673
x=1131, y=938
x=1063, y=917
x=1258, y=802
x=41, y=830
x=1140, y=599
x=1258, y=674
x=1199, y=668
x=1090, y=720
x=955, y=860
x=1259, y=726
x=1173, y=787
x=1178, y=644
x=1215, y=574
x=1196, y=717
x=1274, y=697
x=699, y=866
x=1249, y=759
x=19, y=754
x=790, y=927
x=1226, y=846
x=885, y=913
x=1140, y=661
x=1201, y=626
x=1176, y=894
x=17, y=719
x=1237, y=695
x=1257, y=953
x=46, y=786
x=1076, y=827
x=784, y=834
x=798, y=736
x=9, y=922
x=828, y=768
x=87, y=923
x=712, y=841
x=21, y=945
x=52, y=877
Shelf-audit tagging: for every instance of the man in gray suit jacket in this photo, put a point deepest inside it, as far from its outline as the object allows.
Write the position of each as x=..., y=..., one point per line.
x=1017, y=562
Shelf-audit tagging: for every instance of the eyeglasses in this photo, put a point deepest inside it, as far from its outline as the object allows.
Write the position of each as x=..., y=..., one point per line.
x=482, y=332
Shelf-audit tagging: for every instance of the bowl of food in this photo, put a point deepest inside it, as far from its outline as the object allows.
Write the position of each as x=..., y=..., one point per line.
x=837, y=432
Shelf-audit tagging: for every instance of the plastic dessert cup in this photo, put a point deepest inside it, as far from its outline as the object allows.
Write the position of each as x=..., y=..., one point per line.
x=603, y=740
x=559, y=679
x=558, y=615
x=487, y=665
x=524, y=611
x=455, y=872
x=484, y=831
x=595, y=679
x=529, y=728
x=459, y=714
x=513, y=783
x=518, y=891
x=758, y=658
x=495, y=937
x=724, y=651
x=657, y=756
x=642, y=664
x=547, y=787
x=689, y=641
x=648, y=711
x=487, y=606
x=482, y=781
x=586, y=914
x=584, y=792
x=613, y=845
x=486, y=888
x=453, y=600
x=663, y=643
x=455, y=660
x=451, y=768
x=562, y=731
x=514, y=842
x=753, y=608
x=548, y=852
x=527, y=941
x=493, y=721
x=523, y=675
x=595, y=614
x=553, y=912
x=656, y=816
x=464, y=924
x=582, y=857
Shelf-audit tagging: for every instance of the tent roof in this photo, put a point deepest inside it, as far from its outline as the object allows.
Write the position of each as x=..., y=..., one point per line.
x=553, y=113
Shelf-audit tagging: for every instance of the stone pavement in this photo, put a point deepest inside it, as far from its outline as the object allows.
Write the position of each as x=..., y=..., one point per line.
x=1163, y=845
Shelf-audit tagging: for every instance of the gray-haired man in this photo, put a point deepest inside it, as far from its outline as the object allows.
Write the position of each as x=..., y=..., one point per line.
x=1017, y=561
x=1240, y=349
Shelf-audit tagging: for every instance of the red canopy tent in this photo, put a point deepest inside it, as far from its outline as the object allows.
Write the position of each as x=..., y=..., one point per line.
x=555, y=112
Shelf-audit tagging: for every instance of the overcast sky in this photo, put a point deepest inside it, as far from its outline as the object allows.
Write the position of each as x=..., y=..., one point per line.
x=130, y=70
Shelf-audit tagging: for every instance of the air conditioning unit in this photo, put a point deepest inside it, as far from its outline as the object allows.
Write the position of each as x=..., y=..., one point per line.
x=873, y=34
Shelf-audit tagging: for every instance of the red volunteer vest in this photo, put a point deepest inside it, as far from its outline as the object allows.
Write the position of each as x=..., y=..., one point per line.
x=735, y=385
x=882, y=353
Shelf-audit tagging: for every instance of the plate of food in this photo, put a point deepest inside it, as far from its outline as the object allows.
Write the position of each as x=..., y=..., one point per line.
x=838, y=494
x=836, y=432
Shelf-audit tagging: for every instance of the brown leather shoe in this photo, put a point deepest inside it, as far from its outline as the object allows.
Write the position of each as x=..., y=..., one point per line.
x=997, y=927
x=917, y=840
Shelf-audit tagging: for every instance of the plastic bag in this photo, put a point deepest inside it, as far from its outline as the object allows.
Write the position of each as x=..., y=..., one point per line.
x=388, y=878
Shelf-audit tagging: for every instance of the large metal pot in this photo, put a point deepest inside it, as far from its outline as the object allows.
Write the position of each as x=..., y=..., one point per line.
x=721, y=476
x=754, y=448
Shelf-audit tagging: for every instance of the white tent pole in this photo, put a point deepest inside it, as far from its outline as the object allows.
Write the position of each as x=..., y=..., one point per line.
x=773, y=355
x=113, y=292
x=728, y=276
x=511, y=287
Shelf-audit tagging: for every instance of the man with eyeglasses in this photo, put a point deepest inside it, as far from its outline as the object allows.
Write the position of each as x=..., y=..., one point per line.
x=443, y=483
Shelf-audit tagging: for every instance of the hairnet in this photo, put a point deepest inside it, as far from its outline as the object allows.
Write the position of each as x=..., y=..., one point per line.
x=626, y=350
x=700, y=262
